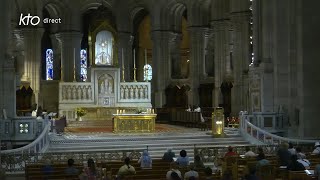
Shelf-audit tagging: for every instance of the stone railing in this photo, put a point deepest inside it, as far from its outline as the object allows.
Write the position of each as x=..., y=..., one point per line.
x=76, y=92
x=259, y=136
x=15, y=159
x=21, y=128
x=134, y=92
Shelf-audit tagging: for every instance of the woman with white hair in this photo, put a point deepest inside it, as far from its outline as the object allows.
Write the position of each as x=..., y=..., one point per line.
x=145, y=160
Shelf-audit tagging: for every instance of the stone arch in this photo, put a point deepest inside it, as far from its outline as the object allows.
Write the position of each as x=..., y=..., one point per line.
x=87, y=5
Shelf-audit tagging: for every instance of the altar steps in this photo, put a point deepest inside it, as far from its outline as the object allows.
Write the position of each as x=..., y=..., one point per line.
x=156, y=143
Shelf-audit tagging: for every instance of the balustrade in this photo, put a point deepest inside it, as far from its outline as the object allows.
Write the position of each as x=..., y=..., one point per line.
x=76, y=92
x=135, y=92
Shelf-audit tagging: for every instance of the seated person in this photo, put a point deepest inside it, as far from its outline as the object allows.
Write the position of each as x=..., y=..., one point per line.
x=300, y=155
x=183, y=160
x=126, y=169
x=169, y=155
x=191, y=173
x=230, y=152
x=262, y=161
x=47, y=168
x=291, y=149
x=317, y=148
x=208, y=173
x=175, y=176
x=145, y=160
x=90, y=172
x=294, y=165
x=173, y=168
x=252, y=174
x=249, y=153
x=284, y=155
x=198, y=164
x=71, y=170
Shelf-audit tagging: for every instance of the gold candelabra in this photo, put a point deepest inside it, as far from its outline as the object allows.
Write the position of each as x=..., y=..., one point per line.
x=135, y=74
x=123, y=75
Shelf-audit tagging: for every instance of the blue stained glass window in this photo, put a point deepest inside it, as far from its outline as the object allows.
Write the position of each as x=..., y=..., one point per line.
x=147, y=72
x=49, y=64
x=83, y=73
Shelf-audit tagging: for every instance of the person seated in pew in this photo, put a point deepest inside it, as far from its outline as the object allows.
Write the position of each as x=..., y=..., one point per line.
x=183, y=160
x=145, y=160
x=89, y=172
x=71, y=170
x=249, y=153
x=198, y=163
x=173, y=168
x=291, y=149
x=208, y=173
x=317, y=171
x=283, y=154
x=191, y=173
x=252, y=174
x=230, y=152
x=169, y=155
x=300, y=154
x=294, y=165
x=262, y=161
x=126, y=169
x=175, y=176
x=317, y=148
x=47, y=168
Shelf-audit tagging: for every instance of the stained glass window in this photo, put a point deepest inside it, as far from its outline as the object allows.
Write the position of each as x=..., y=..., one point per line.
x=147, y=75
x=83, y=73
x=49, y=64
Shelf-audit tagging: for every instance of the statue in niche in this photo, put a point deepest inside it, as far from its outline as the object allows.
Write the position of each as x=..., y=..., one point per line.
x=146, y=92
x=90, y=93
x=79, y=92
x=136, y=93
x=102, y=87
x=141, y=92
x=126, y=93
x=69, y=93
x=106, y=84
x=131, y=92
x=121, y=92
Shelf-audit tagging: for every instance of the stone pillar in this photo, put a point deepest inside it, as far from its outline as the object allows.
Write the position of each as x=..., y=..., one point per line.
x=220, y=54
x=197, y=58
x=160, y=70
x=175, y=56
x=70, y=42
x=7, y=71
x=241, y=60
x=32, y=46
x=56, y=57
x=125, y=41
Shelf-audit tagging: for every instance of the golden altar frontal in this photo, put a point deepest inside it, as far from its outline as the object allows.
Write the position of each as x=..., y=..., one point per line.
x=134, y=123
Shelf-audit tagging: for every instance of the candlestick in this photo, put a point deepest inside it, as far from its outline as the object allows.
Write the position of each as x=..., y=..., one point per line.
x=135, y=74
x=134, y=58
x=122, y=58
x=74, y=64
x=145, y=57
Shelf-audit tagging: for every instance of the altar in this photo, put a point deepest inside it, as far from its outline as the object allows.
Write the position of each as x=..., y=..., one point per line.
x=134, y=123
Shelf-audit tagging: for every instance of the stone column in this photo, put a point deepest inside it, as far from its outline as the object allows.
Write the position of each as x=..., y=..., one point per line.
x=32, y=46
x=56, y=57
x=197, y=58
x=7, y=71
x=220, y=54
x=175, y=56
x=70, y=42
x=241, y=60
x=125, y=41
x=160, y=70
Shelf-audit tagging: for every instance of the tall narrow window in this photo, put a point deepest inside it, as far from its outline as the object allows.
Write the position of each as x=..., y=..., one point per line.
x=49, y=64
x=83, y=73
x=251, y=33
x=147, y=72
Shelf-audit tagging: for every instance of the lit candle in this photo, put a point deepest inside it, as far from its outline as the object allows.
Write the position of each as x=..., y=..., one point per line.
x=134, y=58
x=145, y=56
x=122, y=58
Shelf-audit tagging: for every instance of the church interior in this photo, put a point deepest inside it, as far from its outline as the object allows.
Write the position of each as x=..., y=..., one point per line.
x=107, y=80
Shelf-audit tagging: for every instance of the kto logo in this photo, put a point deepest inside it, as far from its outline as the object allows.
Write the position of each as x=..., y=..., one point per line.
x=25, y=20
